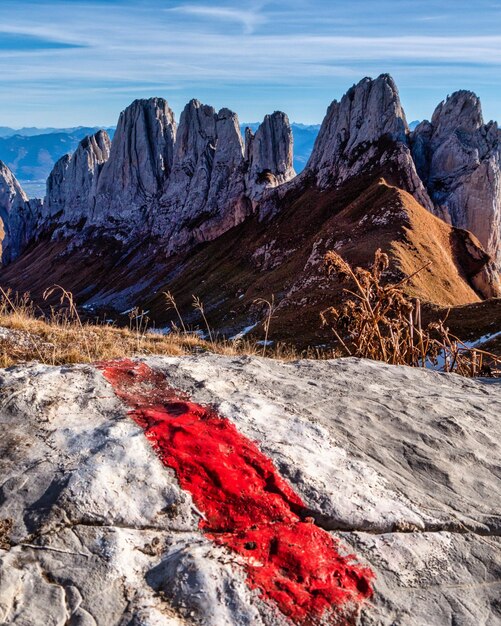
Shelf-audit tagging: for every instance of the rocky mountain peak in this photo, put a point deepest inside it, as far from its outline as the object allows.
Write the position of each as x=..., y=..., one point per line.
x=366, y=133
x=72, y=184
x=140, y=160
x=269, y=154
x=18, y=216
x=459, y=159
x=204, y=193
x=461, y=110
x=368, y=111
x=11, y=192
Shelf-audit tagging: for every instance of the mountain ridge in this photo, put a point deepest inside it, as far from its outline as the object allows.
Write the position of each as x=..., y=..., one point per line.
x=163, y=192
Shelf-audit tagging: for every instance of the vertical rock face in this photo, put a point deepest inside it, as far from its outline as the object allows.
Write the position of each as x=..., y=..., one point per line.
x=269, y=154
x=139, y=163
x=18, y=216
x=459, y=159
x=204, y=194
x=72, y=184
x=368, y=111
x=365, y=130
x=213, y=182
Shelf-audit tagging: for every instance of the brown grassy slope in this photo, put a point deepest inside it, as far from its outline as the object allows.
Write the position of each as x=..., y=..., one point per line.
x=280, y=256
x=284, y=257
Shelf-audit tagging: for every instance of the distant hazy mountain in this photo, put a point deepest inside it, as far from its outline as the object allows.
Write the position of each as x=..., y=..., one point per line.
x=304, y=138
x=30, y=131
x=414, y=124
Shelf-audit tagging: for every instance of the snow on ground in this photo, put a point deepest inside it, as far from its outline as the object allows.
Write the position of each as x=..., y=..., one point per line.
x=245, y=331
x=402, y=465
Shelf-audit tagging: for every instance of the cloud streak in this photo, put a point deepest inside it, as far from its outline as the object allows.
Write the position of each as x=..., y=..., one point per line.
x=249, y=19
x=295, y=56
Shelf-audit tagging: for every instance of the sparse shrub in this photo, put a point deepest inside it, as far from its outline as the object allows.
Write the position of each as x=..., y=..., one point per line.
x=379, y=321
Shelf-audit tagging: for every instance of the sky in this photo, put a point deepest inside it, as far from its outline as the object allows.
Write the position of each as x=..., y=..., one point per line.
x=68, y=63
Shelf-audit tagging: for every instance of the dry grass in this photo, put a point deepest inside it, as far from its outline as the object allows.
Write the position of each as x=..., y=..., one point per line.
x=379, y=321
x=62, y=338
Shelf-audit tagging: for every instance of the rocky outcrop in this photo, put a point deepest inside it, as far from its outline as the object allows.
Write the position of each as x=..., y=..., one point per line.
x=459, y=159
x=366, y=133
x=205, y=194
x=18, y=216
x=269, y=154
x=214, y=185
x=95, y=530
x=72, y=184
x=139, y=163
x=180, y=187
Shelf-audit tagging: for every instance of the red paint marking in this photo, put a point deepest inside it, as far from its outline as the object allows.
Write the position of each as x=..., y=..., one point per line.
x=248, y=507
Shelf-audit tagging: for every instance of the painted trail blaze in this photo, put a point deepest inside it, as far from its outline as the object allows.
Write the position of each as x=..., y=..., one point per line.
x=248, y=507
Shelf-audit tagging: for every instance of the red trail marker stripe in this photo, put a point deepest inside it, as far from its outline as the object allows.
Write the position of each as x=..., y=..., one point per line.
x=248, y=507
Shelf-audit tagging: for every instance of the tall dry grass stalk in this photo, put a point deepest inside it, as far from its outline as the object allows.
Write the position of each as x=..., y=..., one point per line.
x=379, y=321
x=61, y=337
x=270, y=308
x=199, y=306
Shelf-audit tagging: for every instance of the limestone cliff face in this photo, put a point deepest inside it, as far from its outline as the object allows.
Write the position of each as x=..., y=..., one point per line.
x=214, y=184
x=459, y=159
x=139, y=163
x=72, y=184
x=204, y=194
x=18, y=216
x=269, y=154
x=362, y=133
x=179, y=186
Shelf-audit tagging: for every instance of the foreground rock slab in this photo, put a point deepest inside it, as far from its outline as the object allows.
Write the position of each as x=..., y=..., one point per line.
x=400, y=466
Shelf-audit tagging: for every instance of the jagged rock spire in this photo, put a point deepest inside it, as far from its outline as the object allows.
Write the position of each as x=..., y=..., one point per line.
x=139, y=163
x=366, y=133
x=72, y=184
x=18, y=216
x=204, y=194
x=269, y=154
x=459, y=159
x=367, y=112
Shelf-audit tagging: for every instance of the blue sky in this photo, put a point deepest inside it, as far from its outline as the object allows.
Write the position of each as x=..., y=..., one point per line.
x=81, y=62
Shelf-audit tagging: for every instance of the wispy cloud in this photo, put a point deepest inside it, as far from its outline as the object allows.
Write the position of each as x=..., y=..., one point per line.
x=248, y=19
x=254, y=56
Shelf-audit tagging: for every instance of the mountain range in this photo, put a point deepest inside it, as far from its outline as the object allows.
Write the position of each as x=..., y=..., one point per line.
x=31, y=153
x=194, y=209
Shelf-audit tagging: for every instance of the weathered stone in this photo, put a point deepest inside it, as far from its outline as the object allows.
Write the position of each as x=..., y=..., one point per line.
x=139, y=164
x=18, y=216
x=401, y=468
x=459, y=159
x=269, y=154
x=363, y=134
x=204, y=195
x=72, y=184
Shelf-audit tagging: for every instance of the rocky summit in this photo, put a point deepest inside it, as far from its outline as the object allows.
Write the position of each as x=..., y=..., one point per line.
x=458, y=158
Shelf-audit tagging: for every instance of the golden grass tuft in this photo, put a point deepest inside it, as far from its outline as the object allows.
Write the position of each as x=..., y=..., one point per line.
x=61, y=337
x=379, y=321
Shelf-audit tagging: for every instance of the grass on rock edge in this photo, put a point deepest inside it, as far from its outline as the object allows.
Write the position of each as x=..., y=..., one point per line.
x=63, y=339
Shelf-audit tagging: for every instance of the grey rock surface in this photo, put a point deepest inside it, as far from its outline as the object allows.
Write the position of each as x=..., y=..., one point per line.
x=402, y=465
x=364, y=131
x=458, y=157
x=140, y=161
x=269, y=154
x=18, y=216
x=205, y=194
x=72, y=184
